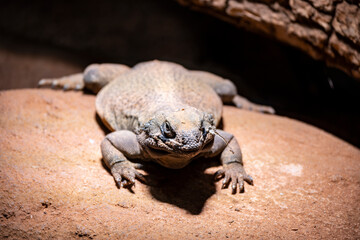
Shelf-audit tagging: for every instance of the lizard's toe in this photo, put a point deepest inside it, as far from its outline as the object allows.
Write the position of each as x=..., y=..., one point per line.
x=249, y=179
x=219, y=174
x=267, y=109
x=72, y=82
x=234, y=176
x=125, y=175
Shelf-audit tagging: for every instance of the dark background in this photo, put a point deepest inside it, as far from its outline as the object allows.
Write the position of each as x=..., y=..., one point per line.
x=52, y=38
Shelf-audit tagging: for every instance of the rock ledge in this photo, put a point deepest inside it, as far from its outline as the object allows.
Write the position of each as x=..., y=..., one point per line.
x=54, y=185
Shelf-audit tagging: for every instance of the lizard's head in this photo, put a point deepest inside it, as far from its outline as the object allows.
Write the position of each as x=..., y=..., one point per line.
x=173, y=138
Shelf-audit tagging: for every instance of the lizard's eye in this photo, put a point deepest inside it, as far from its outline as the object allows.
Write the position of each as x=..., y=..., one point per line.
x=203, y=130
x=167, y=130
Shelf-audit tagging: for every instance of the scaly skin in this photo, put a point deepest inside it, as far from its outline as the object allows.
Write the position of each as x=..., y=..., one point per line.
x=162, y=112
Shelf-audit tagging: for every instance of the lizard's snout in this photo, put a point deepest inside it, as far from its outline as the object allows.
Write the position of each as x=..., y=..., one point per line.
x=190, y=140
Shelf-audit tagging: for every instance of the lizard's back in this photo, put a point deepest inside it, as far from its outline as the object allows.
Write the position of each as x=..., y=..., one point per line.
x=136, y=96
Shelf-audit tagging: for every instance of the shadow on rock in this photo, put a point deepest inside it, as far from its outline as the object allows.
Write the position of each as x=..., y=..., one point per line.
x=187, y=188
x=101, y=124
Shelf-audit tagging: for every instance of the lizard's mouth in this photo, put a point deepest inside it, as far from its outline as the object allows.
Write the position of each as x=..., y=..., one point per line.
x=159, y=150
x=181, y=146
x=172, y=153
x=163, y=149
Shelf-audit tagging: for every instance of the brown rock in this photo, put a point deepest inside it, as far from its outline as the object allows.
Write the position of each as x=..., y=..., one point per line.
x=304, y=10
x=54, y=185
x=347, y=22
x=339, y=48
x=324, y=5
x=280, y=24
x=304, y=24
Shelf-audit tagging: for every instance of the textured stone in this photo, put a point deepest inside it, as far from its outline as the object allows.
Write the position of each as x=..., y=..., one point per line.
x=53, y=183
x=347, y=22
x=324, y=5
x=305, y=10
x=306, y=24
x=278, y=24
x=339, y=48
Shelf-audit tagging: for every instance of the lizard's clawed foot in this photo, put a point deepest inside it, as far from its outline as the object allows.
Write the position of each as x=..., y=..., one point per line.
x=235, y=174
x=72, y=82
x=124, y=174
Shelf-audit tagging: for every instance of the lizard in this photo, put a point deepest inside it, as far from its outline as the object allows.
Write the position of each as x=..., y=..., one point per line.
x=162, y=112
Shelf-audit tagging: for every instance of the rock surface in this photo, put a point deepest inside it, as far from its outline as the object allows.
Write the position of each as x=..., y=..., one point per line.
x=325, y=29
x=54, y=184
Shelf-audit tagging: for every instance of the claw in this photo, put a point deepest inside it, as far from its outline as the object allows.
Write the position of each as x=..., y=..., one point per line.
x=117, y=178
x=54, y=84
x=233, y=187
x=267, y=109
x=44, y=82
x=78, y=87
x=241, y=186
x=249, y=180
x=140, y=176
x=226, y=181
x=123, y=183
x=138, y=166
x=219, y=174
x=127, y=183
x=128, y=178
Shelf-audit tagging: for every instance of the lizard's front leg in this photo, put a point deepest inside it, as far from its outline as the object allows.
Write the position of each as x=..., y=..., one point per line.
x=233, y=170
x=117, y=148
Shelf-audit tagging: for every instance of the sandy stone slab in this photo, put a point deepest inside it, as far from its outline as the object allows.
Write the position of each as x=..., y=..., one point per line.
x=54, y=184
